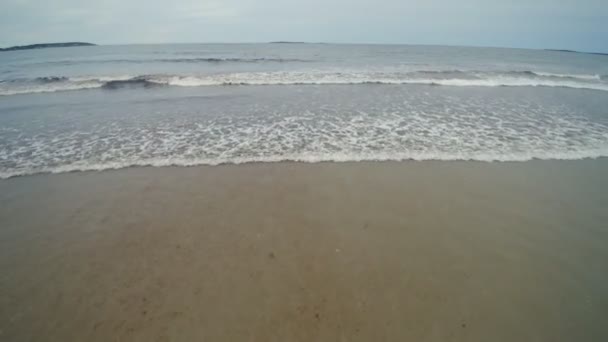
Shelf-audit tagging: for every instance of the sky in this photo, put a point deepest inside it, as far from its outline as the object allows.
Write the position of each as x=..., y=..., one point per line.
x=560, y=24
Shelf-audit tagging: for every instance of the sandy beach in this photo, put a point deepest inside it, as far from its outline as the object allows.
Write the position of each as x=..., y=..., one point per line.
x=391, y=251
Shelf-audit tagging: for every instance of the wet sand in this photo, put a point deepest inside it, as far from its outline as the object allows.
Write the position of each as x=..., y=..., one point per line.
x=412, y=251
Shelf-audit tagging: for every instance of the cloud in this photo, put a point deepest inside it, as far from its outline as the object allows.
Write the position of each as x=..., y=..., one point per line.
x=521, y=23
x=208, y=9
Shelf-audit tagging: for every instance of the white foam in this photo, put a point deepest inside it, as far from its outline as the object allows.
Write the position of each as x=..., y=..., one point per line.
x=102, y=78
x=305, y=158
x=513, y=82
x=579, y=76
x=405, y=131
x=316, y=77
x=48, y=88
x=335, y=78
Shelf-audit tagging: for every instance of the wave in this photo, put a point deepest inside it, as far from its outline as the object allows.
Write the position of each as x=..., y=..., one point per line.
x=377, y=124
x=573, y=76
x=306, y=158
x=424, y=77
x=51, y=79
x=353, y=79
x=132, y=82
x=524, y=73
x=230, y=60
x=213, y=60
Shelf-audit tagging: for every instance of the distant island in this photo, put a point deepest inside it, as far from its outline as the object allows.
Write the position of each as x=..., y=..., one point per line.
x=290, y=42
x=573, y=51
x=45, y=46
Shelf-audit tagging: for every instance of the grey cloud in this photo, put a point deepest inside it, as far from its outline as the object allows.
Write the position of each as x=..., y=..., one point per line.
x=518, y=23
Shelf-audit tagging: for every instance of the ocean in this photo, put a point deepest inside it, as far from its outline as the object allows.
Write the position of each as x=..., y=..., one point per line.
x=108, y=107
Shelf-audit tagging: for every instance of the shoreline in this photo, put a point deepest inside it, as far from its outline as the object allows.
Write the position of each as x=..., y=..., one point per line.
x=286, y=251
x=279, y=161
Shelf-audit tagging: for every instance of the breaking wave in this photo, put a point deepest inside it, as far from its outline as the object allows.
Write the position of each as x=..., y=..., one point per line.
x=302, y=158
x=397, y=126
x=456, y=78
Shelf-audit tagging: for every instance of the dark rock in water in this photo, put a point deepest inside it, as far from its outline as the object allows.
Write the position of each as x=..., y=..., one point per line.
x=51, y=79
x=131, y=83
x=46, y=45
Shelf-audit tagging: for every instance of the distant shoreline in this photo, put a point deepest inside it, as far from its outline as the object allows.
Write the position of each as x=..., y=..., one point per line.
x=288, y=42
x=46, y=46
x=574, y=51
x=76, y=44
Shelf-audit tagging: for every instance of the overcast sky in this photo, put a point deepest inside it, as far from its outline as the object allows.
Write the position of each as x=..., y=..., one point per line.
x=567, y=24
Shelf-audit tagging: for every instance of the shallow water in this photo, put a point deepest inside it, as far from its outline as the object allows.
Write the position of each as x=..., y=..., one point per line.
x=91, y=108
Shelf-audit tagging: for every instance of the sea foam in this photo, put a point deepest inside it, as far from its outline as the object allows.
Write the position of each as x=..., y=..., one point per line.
x=455, y=78
x=378, y=125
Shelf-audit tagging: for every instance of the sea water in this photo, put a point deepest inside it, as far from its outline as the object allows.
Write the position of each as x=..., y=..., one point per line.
x=104, y=107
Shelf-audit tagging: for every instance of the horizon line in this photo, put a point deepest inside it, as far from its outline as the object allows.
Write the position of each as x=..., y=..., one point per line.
x=555, y=49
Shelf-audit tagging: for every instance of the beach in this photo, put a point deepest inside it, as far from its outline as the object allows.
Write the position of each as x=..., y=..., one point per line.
x=303, y=192
x=355, y=251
